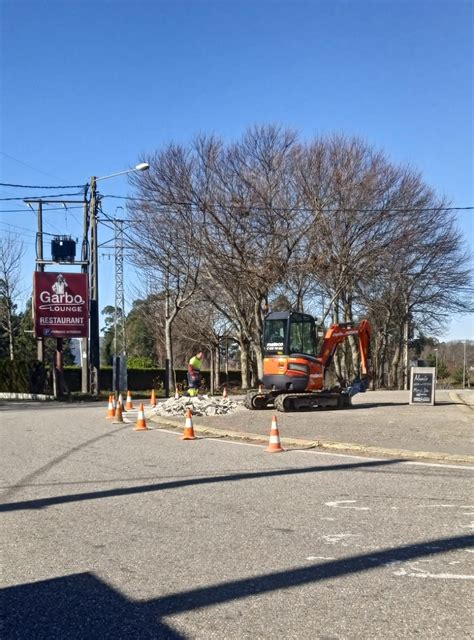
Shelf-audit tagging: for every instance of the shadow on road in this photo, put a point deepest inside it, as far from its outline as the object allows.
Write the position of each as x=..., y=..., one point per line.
x=41, y=503
x=83, y=606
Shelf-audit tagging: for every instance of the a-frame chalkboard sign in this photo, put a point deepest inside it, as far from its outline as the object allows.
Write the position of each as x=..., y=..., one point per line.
x=422, y=385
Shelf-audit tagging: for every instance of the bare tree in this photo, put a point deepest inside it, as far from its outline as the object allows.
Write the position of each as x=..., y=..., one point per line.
x=165, y=248
x=331, y=223
x=11, y=255
x=250, y=225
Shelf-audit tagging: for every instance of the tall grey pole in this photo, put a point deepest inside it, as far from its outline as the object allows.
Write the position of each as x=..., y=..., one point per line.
x=84, y=342
x=406, y=333
x=120, y=338
x=40, y=267
x=464, y=367
x=94, y=340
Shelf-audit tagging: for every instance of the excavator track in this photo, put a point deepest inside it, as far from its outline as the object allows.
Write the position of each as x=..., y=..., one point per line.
x=257, y=401
x=286, y=402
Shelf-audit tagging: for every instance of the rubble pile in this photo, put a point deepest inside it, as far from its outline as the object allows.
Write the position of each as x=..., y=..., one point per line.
x=200, y=406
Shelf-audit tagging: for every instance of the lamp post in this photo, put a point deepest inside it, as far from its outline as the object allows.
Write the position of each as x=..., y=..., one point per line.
x=94, y=338
x=464, y=366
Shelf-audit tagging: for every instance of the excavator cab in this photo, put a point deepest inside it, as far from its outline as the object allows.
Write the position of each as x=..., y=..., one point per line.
x=287, y=333
x=290, y=346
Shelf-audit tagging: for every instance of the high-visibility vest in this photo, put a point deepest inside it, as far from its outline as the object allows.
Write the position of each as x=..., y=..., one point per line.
x=195, y=365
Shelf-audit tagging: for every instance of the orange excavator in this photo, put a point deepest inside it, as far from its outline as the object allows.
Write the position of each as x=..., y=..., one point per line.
x=295, y=374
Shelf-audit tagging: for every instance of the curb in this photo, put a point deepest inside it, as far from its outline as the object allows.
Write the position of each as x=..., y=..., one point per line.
x=346, y=447
x=6, y=395
x=459, y=400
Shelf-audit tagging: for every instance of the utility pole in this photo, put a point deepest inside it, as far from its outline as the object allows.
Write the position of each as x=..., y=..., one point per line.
x=94, y=340
x=94, y=293
x=406, y=338
x=40, y=267
x=84, y=342
x=120, y=338
x=464, y=366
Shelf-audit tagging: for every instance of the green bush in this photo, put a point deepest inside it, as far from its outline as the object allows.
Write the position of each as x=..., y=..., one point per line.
x=141, y=362
x=24, y=376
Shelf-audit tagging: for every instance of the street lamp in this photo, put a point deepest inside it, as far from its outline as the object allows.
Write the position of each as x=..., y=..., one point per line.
x=94, y=276
x=143, y=166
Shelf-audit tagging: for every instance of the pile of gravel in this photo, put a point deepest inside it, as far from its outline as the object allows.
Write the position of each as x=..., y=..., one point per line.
x=200, y=406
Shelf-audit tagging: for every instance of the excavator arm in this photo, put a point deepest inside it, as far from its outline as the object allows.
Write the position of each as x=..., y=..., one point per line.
x=336, y=334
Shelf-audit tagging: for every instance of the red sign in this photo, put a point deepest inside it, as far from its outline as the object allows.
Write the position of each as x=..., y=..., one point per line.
x=60, y=305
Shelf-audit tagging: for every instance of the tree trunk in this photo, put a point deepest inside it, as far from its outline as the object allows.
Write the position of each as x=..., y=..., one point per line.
x=257, y=339
x=217, y=373
x=338, y=368
x=212, y=370
x=395, y=366
x=353, y=341
x=11, y=348
x=169, y=352
x=244, y=362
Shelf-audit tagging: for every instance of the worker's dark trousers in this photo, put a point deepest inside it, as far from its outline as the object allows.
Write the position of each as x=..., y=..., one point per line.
x=193, y=384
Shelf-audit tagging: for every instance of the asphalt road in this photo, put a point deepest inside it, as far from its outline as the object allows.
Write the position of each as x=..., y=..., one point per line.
x=112, y=533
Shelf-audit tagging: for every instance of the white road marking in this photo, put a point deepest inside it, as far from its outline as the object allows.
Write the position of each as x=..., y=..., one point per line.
x=421, y=573
x=440, y=466
x=312, y=451
x=338, y=503
x=338, y=537
x=444, y=506
x=320, y=558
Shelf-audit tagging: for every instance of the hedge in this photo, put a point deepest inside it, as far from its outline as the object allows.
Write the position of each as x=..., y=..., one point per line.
x=33, y=377
x=139, y=379
x=24, y=376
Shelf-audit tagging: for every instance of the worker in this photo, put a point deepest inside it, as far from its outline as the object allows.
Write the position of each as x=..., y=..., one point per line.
x=194, y=374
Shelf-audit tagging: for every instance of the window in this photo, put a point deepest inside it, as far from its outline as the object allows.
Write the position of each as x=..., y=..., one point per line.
x=302, y=337
x=274, y=339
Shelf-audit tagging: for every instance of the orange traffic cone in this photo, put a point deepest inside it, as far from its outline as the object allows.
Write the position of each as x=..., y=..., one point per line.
x=224, y=394
x=120, y=401
x=118, y=413
x=153, y=398
x=188, y=427
x=141, y=422
x=274, y=445
x=128, y=403
x=176, y=394
x=110, y=409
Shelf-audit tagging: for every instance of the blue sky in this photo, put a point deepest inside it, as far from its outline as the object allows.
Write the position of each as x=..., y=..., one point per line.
x=90, y=86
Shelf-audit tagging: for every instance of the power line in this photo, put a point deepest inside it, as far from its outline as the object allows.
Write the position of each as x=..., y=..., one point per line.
x=233, y=205
x=15, y=226
x=31, y=186
x=54, y=195
x=45, y=173
x=45, y=209
x=22, y=242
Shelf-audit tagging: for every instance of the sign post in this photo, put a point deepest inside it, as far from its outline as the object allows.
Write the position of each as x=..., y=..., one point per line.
x=422, y=385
